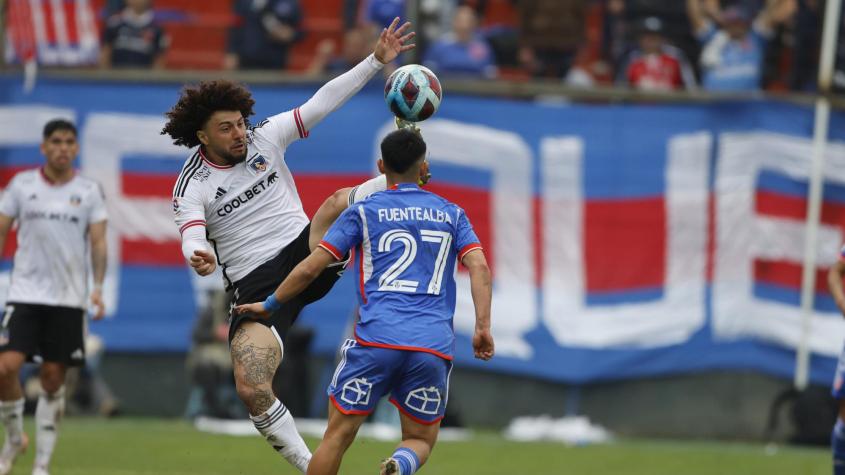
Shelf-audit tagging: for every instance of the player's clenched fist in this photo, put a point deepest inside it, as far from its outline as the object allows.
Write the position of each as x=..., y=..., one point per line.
x=203, y=262
x=482, y=344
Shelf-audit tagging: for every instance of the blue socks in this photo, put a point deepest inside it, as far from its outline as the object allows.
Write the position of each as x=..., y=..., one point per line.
x=409, y=462
x=837, y=443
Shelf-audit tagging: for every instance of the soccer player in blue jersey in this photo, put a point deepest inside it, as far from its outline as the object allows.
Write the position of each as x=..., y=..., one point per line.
x=837, y=438
x=407, y=242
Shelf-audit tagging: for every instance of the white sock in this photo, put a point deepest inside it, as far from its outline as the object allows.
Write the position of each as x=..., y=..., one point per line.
x=48, y=413
x=362, y=191
x=277, y=426
x=11, y=414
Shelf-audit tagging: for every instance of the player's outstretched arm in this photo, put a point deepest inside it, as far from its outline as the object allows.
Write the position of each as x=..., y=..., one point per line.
x=834, y=283
x=482, y=294
x=300, y=277
x=392, y=41
x=99, y=253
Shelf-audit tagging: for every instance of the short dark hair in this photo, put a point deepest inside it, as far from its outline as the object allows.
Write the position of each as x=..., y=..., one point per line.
x=200, y=102
x=401, y=149
x=58, y=124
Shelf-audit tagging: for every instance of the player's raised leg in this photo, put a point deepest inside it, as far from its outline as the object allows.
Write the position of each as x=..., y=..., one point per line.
x=417, y=443
x=256, y=354
x=48, y=413
x=11, y=409
x=339, y=435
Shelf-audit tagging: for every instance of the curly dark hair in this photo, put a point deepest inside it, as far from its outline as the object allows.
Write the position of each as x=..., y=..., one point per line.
x=198, y=103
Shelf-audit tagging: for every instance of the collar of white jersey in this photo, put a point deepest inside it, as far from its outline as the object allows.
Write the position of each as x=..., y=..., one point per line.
x=212, y=164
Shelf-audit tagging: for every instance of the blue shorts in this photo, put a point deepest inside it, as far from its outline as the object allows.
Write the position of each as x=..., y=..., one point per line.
x=838, y=389
x=418, y=382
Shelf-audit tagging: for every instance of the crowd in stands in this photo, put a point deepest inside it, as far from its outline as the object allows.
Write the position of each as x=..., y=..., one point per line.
x=712, y=45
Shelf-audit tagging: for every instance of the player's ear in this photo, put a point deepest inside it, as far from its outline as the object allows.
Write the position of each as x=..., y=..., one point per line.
x=203, y=137
x=381, y=166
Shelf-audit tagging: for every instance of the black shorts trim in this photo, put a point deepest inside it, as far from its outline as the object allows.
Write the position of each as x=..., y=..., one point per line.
x=264, y=279
x=44, y=332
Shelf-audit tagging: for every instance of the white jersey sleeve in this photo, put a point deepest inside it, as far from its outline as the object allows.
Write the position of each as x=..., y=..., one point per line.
x=189, y=214
x=10, y=202
x=285, y=128
x=97, y=212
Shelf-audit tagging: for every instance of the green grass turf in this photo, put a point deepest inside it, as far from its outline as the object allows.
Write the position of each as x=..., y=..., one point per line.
x=129, y=446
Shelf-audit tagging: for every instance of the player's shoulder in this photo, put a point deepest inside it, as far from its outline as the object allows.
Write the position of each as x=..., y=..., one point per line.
x=195, y=171
x=88, y=184
x=25, y=177
x=114, y=21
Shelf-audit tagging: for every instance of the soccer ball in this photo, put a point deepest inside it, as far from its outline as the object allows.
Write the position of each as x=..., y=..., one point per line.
x=413, y=93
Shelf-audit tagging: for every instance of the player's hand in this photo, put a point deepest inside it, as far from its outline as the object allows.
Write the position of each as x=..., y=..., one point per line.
x=482, y=344
x=391, y=42
x=203, y=262
x=256, y=308
x=97, y=303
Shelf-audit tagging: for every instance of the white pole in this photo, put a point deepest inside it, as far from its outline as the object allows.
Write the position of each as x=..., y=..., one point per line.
x=814, y=200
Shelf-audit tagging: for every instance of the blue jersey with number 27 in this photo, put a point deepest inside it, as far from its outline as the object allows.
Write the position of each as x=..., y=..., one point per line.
x=407, y=242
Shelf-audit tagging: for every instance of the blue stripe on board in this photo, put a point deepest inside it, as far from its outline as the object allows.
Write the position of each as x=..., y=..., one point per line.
x=823, y=302
x=621, y=297
x=152, y=164
x=21, y=156
x=769, y=180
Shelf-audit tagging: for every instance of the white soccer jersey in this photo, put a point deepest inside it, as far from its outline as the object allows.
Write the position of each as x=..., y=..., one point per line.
x=251, y=210
x=51, y=261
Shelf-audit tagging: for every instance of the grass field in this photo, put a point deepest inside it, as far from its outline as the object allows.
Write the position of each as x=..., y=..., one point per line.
x=171, y=447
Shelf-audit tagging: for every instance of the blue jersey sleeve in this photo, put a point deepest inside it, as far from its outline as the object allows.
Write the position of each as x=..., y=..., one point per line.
x=345, y=233
x=465, y=238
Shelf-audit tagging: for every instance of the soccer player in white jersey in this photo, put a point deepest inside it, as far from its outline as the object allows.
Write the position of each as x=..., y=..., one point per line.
x=236, y=206
x=61, y=216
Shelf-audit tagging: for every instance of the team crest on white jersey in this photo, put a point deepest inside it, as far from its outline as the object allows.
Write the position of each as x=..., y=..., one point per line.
x=258, y=163
x=75, y=200
x=202, y=174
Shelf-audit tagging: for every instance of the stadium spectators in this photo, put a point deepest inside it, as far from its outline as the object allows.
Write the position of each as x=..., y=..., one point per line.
x=462, y=51
x=133, y=38
x=656, y=65
x=550, y=33
x=264, y=35
x=733, y=42
x=356, y=47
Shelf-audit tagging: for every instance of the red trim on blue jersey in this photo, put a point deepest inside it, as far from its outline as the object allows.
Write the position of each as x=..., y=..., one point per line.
x=467, y=249
x=300, y=125
x=196, y=222
x=361, y=273
x=413, y=417
x=331, y=250
x=348, y=412
x=403, y=348
x=212, y=164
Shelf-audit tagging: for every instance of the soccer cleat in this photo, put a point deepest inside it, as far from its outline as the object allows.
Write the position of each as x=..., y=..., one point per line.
x=406, y=124
x=389, y=467
x=40, y=471
x=10, y=453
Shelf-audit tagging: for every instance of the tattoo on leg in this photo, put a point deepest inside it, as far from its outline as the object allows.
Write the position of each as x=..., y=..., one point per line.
x=263, y=400
x=257, y=365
